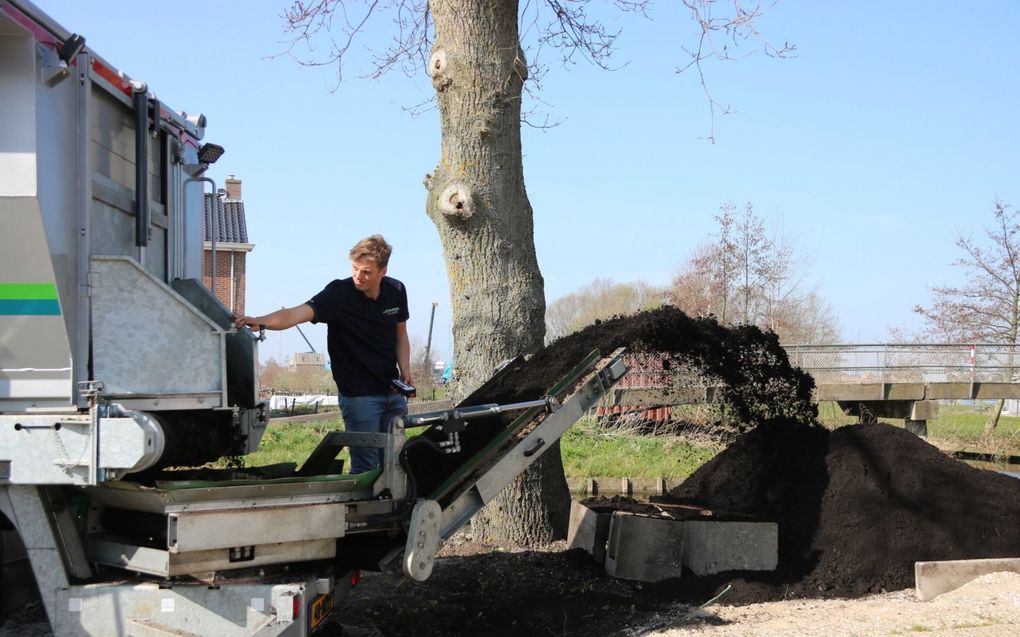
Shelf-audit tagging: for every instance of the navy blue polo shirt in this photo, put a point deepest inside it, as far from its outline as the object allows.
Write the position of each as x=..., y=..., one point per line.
x=361, y=334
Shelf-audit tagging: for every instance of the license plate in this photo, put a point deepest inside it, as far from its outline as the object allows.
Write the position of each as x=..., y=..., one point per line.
x=322, y=608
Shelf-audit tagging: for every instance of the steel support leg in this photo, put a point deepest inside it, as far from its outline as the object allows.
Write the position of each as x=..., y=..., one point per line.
x=48, y=532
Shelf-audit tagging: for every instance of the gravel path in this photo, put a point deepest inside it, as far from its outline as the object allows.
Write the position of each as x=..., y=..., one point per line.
x=987, y=607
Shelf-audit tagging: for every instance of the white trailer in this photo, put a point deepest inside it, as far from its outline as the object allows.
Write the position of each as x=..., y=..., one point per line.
x=115, y=361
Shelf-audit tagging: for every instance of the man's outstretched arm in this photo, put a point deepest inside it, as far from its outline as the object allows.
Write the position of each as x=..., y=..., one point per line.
x=278, y=320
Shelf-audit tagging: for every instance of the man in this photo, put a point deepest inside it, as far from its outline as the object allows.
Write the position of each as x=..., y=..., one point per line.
x=366, y=316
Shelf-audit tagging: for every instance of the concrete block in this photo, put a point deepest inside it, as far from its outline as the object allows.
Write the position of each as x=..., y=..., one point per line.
x=924, y=410
x=644, y=548
x=712, y=546
x=588, y=530
x=931, y=579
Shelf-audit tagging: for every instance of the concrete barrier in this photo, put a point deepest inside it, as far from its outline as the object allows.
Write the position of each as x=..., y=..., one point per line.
x=644, y=548
x=649, y=548
x=588, y=530
x=931, y=579
x=713, y=546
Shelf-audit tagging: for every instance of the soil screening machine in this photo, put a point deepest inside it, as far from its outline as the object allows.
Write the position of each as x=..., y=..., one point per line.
x=116, y=363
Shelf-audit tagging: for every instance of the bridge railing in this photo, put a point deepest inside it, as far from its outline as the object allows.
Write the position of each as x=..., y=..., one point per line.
x=908, y=363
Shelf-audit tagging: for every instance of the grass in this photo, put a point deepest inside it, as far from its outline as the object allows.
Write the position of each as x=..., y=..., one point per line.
x=588, y=450
x=965, y=421
x=292, y=442
x=591, y=448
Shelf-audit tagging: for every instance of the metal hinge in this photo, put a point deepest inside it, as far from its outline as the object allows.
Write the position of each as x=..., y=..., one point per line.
x=90, y=388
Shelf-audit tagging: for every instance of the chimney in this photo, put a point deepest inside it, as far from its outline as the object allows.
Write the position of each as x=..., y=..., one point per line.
x=233, y=188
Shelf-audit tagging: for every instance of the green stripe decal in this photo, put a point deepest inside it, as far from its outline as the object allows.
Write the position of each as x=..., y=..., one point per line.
x=28, y=291
x=29, y=299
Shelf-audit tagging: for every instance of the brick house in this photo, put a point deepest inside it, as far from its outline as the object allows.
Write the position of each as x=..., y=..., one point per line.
x=232, y=247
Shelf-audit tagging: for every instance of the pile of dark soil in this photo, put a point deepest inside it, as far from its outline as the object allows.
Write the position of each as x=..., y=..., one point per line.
x=759, y=384
x=856, y=508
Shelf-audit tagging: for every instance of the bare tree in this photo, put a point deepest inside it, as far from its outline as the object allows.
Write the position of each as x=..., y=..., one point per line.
x=753, y=256
x=707, y=284
x=805, y=318
x=472, y=51
x=601, y=299
x=760, y=273
x=987, y=306
x=694, y=290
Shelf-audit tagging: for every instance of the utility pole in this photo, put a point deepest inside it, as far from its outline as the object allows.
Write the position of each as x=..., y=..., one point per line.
x=428, y=343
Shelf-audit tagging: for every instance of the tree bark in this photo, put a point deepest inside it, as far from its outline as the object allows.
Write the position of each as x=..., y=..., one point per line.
x=993, y=418
x=478, y=203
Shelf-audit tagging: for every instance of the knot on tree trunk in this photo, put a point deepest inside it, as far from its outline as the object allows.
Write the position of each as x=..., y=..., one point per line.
x=455, y=201
x=521, y=66
x=438, y=69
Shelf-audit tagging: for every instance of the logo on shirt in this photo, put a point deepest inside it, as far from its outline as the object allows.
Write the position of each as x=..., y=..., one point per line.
x=391, y=311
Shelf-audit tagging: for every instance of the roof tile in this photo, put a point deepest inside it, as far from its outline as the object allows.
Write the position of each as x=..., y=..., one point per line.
x=230, y=220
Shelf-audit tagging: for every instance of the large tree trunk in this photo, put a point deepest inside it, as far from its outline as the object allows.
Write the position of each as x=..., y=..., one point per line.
x=477, y=200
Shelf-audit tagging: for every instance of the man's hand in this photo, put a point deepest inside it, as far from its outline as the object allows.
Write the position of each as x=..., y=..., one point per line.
x=246, y=321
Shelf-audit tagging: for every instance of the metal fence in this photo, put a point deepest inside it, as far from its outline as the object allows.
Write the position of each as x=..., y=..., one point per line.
x=908, y=363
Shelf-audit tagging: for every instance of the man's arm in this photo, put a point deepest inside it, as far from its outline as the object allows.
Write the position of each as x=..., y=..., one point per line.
x=278, y=320
x=404, y=353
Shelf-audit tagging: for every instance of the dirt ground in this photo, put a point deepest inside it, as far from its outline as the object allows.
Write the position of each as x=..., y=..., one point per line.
x=484, y=590
x=855, y=507
x=986, y=607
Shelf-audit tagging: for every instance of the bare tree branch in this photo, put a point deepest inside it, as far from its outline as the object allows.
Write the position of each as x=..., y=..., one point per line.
x=736, y=27
x=327, y=29
x=987, y=306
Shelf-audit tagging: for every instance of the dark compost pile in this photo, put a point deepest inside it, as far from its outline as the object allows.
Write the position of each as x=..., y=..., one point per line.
x=856, y=507
x=760, y=384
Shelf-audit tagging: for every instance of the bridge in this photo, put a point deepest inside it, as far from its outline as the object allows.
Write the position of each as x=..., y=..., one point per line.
x=894, y=380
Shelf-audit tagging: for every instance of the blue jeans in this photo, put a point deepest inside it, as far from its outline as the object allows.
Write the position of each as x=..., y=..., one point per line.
x=370, y=414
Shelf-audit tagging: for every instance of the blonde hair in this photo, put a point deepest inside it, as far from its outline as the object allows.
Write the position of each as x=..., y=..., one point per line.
x=374, y=249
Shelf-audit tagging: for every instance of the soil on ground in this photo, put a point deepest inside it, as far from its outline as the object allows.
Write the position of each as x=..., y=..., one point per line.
x=856, y=508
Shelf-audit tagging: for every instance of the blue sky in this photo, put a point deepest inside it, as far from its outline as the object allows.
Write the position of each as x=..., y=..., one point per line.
x=892, y=132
